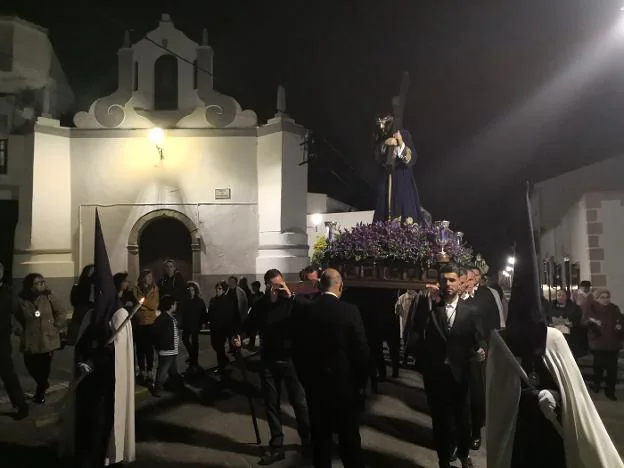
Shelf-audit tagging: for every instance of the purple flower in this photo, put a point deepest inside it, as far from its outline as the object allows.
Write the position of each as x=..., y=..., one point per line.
x=390, y=242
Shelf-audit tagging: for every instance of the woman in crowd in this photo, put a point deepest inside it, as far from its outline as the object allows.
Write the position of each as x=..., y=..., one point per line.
x=41, y=321
x=146, y=315
x=566, y=316
x=604, y=321
x=193, y=314
x=223, y=316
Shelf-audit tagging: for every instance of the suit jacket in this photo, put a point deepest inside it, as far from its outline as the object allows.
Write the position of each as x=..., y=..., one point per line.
x=455, y=347
x=329, y=348
x=487, y=308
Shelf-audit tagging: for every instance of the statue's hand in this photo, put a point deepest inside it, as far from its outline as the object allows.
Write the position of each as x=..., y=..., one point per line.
x=390, y=142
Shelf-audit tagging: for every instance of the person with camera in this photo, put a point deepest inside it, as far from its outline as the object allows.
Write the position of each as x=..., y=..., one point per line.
x=271, y=317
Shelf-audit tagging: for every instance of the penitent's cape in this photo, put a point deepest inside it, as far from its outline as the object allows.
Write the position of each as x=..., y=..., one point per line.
x=121, y=445
x=586, y=441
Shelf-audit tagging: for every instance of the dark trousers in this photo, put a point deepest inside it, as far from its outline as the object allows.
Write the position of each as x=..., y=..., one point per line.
x=327, y=416
x=390, y=332
x=217, y=340
x=477, y=398
x=9, y=378
x=145, y=347
x=191, y=343
x=605, y=362
x=38, y=366
x=272, y=375
x=167, y=369
x=450, y=412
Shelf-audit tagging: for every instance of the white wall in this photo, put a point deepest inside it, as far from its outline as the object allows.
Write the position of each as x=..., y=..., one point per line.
x=612, y=217
x=128, y=171
x=321, y=203
x=569, y=238
x=554, y=197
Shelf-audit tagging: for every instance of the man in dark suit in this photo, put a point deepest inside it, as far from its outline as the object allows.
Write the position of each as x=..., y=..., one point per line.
x=452, y=335
x=491, y=318
x=334, y=372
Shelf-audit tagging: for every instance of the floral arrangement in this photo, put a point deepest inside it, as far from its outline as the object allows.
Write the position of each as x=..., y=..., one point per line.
x=391, y=242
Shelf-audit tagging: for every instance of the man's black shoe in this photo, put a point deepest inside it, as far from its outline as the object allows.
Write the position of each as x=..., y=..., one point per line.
x=272, y=457
x=476, y=444
x=453, y=456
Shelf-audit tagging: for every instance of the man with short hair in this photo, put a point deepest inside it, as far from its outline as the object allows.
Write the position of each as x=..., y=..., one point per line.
x=271, y=317
x=7, y=372
x=452, y=335
x=333, y=373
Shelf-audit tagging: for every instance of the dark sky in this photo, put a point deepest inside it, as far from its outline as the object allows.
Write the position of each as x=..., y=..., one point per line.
x=473, y=64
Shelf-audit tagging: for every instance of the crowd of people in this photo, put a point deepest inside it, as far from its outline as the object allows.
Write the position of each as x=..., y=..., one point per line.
x=445, y=330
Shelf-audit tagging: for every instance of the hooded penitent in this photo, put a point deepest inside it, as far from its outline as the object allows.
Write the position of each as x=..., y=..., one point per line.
x=526, y=360
x=99, y=426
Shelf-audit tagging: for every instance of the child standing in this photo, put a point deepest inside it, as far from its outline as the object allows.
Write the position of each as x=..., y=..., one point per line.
x=167, y=343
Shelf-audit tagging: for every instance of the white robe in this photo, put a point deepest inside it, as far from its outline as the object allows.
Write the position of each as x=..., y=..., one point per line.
x=122, y=446
x=586, y=441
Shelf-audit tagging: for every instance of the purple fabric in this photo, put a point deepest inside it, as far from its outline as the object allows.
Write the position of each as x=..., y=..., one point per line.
x=404, y=199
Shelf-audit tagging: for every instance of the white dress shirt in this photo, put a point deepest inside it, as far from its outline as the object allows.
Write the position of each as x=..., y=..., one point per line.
x=451, y=312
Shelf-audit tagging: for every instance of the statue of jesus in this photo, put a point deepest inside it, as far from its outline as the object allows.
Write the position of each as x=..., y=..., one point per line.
x=397, y=196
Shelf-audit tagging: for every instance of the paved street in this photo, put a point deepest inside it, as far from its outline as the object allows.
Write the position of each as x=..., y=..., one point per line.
x=209, y=426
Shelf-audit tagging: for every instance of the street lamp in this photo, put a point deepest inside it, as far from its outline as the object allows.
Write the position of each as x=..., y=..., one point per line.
x=511, y=260
x=157, y=136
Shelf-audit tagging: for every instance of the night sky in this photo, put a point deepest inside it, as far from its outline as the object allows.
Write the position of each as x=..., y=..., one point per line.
x=480, y=108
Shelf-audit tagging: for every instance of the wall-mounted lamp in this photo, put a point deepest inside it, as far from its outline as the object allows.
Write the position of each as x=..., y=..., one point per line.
x=316, y=219
x=157, y=136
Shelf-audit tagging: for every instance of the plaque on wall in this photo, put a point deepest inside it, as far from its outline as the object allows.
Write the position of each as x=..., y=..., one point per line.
x=223, y=194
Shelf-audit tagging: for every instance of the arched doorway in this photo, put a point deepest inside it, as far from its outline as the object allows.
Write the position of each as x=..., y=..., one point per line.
x=161, y=235
x=166, y=83
x=162, y=239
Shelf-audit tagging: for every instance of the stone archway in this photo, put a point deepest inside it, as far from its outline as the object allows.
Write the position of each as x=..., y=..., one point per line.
x=144, y=221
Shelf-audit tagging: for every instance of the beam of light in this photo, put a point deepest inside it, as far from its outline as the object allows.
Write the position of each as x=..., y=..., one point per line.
x=515, y=135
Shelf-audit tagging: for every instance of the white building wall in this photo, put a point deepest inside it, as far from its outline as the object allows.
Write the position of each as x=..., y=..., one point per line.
x=126, y=170
x=608, y=255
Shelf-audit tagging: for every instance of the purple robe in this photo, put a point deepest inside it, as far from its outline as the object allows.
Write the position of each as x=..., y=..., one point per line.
x=397, y=195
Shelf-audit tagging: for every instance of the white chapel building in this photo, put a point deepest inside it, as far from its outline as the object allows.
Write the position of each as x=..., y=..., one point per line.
x=174, y=168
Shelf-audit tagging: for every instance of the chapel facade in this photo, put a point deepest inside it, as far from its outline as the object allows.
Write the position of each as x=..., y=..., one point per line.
x=174, y=168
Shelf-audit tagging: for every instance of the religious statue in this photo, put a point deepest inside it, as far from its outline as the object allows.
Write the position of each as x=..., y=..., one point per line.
x=397, y=197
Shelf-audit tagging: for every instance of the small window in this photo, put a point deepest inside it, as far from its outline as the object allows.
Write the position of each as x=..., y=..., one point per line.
x=135, y=77
x=4, y=156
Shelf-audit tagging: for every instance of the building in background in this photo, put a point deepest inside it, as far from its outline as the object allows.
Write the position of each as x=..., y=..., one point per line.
x=32, y=84
x=580, y=215
x=175, y=168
